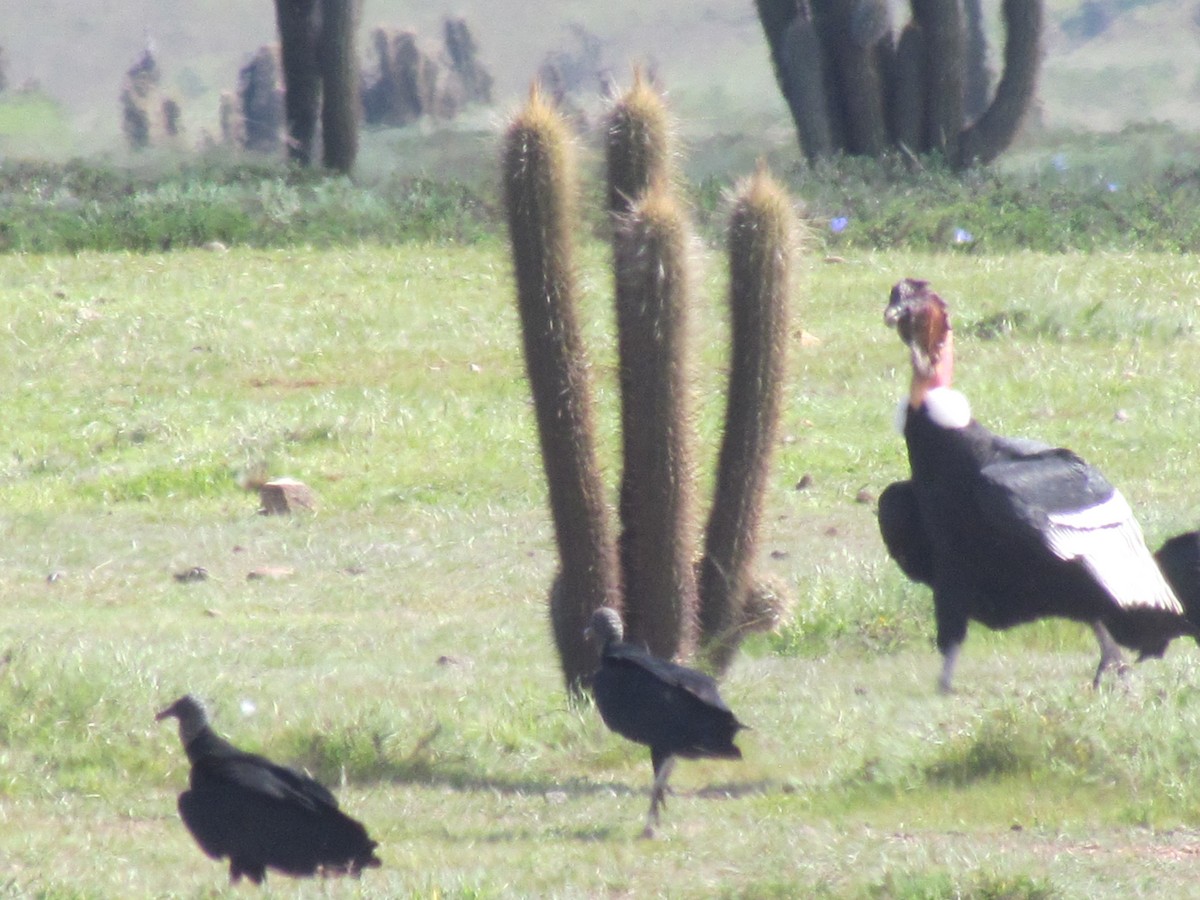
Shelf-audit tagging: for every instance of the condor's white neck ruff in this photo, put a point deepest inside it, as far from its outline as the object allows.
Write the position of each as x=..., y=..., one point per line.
x=947, y=408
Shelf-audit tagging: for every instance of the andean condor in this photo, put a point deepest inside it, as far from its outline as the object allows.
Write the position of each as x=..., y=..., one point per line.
x=1179, y=559
x=259, y=814
x=674, y=710
x=1008, y=531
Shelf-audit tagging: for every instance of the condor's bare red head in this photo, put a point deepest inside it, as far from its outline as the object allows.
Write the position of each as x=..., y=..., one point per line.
x=922, y=319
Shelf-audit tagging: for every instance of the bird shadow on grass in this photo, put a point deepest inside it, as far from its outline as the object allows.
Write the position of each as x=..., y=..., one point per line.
x=424, y=765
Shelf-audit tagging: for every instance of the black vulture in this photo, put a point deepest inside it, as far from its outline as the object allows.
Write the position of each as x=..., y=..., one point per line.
x=259, y=814
x=673, y=710
x=1008, y=531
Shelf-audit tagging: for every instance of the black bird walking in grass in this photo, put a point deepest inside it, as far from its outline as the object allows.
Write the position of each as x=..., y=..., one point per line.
x=1008, y=531
x=673, y=710
x=261, y=815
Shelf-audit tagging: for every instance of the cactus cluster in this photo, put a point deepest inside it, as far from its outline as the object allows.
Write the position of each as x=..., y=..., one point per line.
x=675, y=600
x=411, y=82
x=856, y=85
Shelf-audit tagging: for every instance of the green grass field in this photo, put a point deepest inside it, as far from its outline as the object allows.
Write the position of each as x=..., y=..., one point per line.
x=407, y=660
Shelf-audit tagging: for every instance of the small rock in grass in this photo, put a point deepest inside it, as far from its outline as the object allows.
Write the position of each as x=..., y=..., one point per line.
x=281, y=496
x=272, y=573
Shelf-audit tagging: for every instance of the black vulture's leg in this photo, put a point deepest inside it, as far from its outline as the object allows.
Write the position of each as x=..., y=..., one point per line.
x=662, y=771
x=949, y=659
x=1110, y=654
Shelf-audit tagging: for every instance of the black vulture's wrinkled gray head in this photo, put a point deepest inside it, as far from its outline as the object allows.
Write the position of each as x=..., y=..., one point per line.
x=605, y=627
x=191, y=715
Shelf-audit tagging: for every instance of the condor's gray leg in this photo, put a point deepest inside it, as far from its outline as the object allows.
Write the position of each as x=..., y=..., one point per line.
x=662, y=771
x=1110, y=654
x=949, y=659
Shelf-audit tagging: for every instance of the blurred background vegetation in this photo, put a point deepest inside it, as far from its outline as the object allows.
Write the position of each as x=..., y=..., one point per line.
x=1107, y=158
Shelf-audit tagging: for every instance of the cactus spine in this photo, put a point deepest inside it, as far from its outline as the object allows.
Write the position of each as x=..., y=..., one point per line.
x=539, y=191
x=761, y=237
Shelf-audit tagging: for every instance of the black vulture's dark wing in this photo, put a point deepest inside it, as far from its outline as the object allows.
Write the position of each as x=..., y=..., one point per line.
x=903, y=531
x=672, y=709
x=253, y=829
x=257, y=829
x=209, y=821
x=1053, y=498
x=669, y=674
x=215, y=760
x=276, y=781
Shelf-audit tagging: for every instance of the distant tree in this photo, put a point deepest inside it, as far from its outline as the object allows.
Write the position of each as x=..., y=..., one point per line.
x=854, y=85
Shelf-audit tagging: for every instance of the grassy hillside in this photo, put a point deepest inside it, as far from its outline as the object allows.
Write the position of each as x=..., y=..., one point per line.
x=711, y=56
x=405, y=656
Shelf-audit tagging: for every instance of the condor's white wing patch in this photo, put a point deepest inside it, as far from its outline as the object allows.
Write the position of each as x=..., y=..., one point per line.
x=1108, y=541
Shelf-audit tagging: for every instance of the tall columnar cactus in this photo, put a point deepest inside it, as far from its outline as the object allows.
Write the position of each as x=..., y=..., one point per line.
x=658, y=539
x=853, y=87
x=762, y=233
x=659, y=580
x=638, y=144
x=539, y=191
x=945, y=71
x=650, y=259
x=338, y=58
x=992, y=132
x=296, y=21
x=978, y=77
x=802, y=66
x=320, y=74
